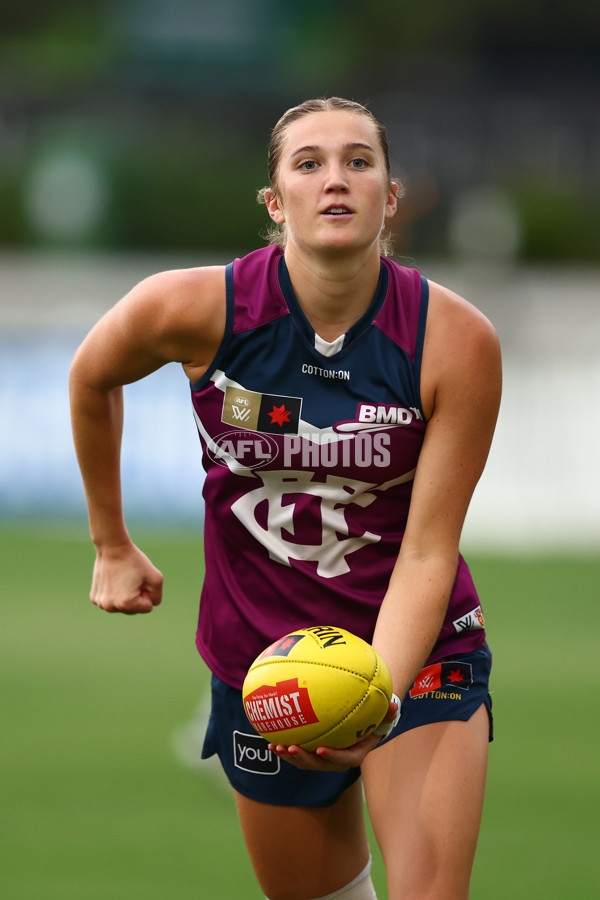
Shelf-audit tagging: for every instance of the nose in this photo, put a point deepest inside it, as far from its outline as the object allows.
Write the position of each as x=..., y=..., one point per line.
x=336, y=178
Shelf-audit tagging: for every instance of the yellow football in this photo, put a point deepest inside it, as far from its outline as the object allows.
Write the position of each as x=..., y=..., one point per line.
x=317, y=687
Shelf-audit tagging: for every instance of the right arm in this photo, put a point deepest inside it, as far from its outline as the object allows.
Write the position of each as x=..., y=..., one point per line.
x=171, y=317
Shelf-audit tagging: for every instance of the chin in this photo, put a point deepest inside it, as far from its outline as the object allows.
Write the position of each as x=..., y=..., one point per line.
x=339, y=245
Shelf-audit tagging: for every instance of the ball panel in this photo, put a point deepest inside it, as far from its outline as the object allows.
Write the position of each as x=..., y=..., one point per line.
x=360, y=722
x=317, y=686
x=326, y=644
x=290, y=710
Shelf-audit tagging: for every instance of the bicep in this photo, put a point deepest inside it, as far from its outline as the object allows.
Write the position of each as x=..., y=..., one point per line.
x=114, y=353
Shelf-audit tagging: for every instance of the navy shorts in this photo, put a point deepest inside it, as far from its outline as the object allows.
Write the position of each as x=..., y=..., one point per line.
x=448, y=690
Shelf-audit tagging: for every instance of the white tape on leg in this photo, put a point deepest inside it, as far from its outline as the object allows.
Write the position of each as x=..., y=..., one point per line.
x=360, y=888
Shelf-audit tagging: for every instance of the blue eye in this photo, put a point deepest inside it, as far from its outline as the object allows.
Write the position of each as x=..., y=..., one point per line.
x=308, y=165
x=358, y=163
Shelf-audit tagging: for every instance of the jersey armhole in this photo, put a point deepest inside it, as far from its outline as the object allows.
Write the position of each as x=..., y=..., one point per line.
x=421, y=340
x=229, y=307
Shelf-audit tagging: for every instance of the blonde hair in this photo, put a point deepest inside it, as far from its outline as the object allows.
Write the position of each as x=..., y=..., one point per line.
x=275, y=234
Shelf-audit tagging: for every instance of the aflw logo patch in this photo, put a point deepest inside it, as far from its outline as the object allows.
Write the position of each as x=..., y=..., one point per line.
x=269, y=413
x=471, y=621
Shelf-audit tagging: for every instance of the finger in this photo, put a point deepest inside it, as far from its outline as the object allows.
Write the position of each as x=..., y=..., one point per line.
x=392, y=711
x=301, y=759
x=291, y=754
x=142, y=607
x=152, y=591
x=327, y=760
x=129, y=607
x=389, y=722
x=341, y=760
x=140, y=604
x=349, y=757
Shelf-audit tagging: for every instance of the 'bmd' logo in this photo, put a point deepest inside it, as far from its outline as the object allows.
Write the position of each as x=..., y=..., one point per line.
x=251, y=753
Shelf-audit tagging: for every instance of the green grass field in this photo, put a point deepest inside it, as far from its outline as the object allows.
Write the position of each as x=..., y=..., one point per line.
x=97, y=807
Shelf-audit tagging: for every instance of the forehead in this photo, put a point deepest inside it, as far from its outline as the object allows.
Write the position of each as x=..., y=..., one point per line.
x=328, y=129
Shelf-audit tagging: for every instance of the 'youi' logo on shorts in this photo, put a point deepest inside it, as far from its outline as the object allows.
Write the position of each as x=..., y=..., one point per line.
x=251, y=753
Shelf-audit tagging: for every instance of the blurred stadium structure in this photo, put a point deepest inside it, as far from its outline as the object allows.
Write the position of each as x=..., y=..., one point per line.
x=541, y=486
x=132, y=138
x=143, y=123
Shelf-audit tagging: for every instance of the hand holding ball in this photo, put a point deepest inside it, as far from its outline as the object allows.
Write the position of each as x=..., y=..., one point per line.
x=317, y=686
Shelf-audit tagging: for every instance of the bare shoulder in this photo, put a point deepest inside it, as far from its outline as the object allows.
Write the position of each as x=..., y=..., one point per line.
x=461, y=350
x=173, y=316
x=183, y=309
x=452, y=314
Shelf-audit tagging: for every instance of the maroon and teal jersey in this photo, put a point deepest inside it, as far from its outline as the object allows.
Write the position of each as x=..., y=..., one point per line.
x=310, y=450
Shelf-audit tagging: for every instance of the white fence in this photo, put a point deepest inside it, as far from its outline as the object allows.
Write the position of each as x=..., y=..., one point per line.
x=541, y=486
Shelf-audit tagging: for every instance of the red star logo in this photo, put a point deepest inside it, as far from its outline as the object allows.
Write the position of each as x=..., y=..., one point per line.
x=286, y=644
x=279, y=415
x=455, y=675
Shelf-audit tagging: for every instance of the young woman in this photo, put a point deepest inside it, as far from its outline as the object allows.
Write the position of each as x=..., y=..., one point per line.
x=345, y=407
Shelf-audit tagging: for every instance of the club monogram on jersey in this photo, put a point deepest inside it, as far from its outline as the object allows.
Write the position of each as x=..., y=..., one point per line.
x=306, y=520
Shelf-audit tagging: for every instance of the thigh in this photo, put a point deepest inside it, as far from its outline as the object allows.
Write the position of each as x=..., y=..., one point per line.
x=424, y=792
x=301, y=852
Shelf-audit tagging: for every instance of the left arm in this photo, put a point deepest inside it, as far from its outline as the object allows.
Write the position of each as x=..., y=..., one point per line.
x=460, y=387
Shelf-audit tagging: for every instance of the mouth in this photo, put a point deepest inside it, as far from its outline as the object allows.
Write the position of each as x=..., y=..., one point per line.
x=337, y=211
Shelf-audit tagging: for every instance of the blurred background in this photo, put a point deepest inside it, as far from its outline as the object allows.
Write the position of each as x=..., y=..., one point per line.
x=133, y=138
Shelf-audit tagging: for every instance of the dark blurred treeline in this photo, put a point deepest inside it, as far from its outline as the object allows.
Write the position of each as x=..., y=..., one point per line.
x=143, y=123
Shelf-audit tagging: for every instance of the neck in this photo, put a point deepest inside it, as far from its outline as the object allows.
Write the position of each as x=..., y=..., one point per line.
x=333, y=293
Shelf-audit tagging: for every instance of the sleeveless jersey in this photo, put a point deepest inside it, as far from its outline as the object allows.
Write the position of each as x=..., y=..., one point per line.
x=310, y=450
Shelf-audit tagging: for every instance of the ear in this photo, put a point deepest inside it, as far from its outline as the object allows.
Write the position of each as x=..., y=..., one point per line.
x=391, y=205
x=274, y=207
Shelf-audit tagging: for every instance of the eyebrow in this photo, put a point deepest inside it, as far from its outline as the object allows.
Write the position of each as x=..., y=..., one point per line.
x=312, y=148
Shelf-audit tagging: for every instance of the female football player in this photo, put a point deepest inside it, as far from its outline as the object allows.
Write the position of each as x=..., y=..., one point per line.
x=345, y=406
